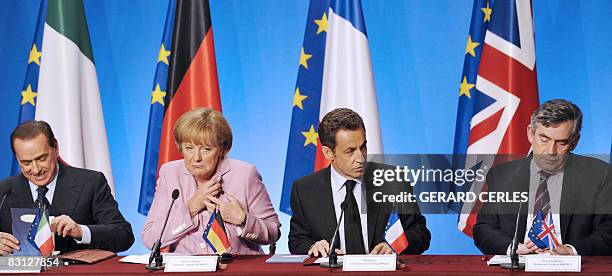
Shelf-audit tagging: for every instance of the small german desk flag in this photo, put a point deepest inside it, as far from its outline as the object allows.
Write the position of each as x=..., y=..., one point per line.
x=215, y=234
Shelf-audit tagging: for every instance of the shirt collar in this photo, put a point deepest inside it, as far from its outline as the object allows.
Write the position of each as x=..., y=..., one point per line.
x=337, y=180
x=533, y=166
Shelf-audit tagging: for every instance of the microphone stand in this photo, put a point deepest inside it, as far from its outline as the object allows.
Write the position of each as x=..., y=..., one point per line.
x=514, y=258
x=332, y=256
x=156, y=249
x=6, y=193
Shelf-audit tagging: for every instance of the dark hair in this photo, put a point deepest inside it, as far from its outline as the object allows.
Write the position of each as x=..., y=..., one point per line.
x=337, y=119
x=558, y=111
x=31, y=129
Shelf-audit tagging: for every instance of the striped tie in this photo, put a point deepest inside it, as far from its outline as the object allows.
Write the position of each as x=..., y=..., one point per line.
x=41, y=200
x=542, y=201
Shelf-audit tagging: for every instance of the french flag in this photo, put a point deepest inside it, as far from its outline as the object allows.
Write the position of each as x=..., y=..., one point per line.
x=335, y=71
x=395, y=235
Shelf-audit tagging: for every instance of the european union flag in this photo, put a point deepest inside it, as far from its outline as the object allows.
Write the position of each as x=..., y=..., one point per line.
x=542, y=232
x=27, y=107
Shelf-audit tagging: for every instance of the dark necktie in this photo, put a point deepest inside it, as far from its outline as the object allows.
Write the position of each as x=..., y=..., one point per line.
x=41, y=200
x=353, y=237
x=542, y=201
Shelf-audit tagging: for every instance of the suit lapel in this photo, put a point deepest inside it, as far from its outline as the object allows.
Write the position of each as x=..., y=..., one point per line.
x=22, y=197
x=187, y=184
x=569, y=192
x=222, y=168
x=66, y=191
x=374, y=214
x=373, y=222
x=325, y=203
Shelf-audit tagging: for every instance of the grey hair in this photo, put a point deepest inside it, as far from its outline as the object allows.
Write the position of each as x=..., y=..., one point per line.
x=555, y=112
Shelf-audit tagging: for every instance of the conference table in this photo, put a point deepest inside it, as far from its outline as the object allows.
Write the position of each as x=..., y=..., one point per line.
x=415, y=265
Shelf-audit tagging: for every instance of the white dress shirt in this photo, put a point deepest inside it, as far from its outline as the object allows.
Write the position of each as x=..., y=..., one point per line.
x=554, y=184
x=86, y=238
x=339, y=193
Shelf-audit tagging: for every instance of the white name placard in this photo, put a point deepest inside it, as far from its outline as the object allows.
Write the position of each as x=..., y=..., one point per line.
x=369, y=263
x=553, y=263
x=191, y=264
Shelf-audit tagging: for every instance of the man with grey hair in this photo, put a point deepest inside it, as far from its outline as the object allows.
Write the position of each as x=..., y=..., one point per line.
x=573, y=190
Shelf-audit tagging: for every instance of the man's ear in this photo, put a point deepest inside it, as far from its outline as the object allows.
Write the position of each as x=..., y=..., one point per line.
x=574, y=143
x=530, y=134
x=328, y=153
x=56, y=146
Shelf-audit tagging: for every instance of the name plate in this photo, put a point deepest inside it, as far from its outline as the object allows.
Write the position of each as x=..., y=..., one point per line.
x=553, y=263
x=369, y=263
x=191, y=263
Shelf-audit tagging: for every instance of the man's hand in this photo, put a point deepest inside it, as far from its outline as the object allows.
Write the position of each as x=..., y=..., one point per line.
x=320, y=249
x=198, y=202
x=534, y=248
x=231, y=211
x=382, y=249
x=64, y=226
x=562, y=250
x=8, y=244
x=524, y=249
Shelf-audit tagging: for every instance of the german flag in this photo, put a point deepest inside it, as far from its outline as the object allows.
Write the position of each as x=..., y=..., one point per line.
x=186, y=78
x=215, y=234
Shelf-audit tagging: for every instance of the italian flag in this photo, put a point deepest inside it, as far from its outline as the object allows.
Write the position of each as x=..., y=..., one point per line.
x=43, y=238
x=68, y=95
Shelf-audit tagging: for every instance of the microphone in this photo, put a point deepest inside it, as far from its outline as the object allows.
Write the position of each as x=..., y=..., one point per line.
x=6, y=194
x=514, y=259
x=156, y=250
x=333, y=257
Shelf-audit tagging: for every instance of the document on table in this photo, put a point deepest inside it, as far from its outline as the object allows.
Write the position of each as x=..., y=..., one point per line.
x=142, y=259
x=503, y=259
x=285, y=258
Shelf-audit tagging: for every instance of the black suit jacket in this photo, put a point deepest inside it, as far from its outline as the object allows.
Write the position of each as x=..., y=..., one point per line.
x=84, y=196
x=314, y=218
x=586, y=202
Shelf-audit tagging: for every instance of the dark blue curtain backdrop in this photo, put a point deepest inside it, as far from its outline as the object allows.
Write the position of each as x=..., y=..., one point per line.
x=417, y=52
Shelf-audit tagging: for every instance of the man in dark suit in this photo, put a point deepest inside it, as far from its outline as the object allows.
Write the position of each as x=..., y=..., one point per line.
x=85, y=212
x=316, y=199
x=575, y=190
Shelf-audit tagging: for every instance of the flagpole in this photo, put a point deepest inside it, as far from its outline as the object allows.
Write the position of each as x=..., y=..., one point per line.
x=44, y=213
x=399, y=261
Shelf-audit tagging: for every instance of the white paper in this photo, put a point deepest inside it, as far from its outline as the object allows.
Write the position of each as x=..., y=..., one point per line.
x=504, y=259
x=135, y=259
x=369, y=263
x=191, y=264
x=29, y=218
x=143, y=259
x=326, y=259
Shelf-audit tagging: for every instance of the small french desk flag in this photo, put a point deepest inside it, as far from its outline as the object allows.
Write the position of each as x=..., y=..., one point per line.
x=395, y=235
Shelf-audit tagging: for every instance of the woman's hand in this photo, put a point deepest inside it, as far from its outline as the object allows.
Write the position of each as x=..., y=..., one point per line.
x=199, y=200
x=231, y=211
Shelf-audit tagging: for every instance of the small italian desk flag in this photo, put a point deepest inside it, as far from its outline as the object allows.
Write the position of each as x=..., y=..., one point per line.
x=40, y=235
